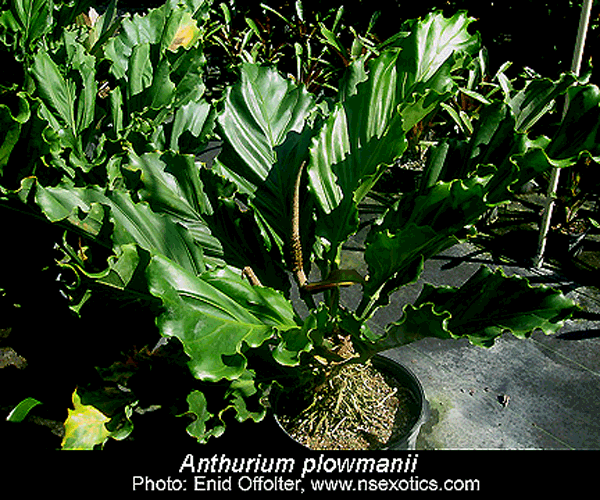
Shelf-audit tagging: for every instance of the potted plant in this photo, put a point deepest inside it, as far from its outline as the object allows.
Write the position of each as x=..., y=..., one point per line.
x=209, y=251
x=347, y=153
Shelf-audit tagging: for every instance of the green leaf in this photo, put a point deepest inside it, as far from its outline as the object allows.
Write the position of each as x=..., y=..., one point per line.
x=67, y=90
x=362, y=132
x=293, y=343
x=192, y=125
x=171, y=184
x=121, y=268
x=31, y=19
x=19, y=412
x=140, y=69
x=216, y=316
x=495, y=150
x=416, y=323
x=435, y=165
x=425, y=62
x=366, y=131
x=486, y=168
x=580, y=128
x=494, y=141
x=241, y=391
x=132, y=223
x=401, y=254
x=537, y=98
x=173, y=188
x=332, y=39
x=310, y=335
x=482, y=309
x=57, y=93
x=416, y=229
x=157, y=60
x=361, y=137
x=199, y=409
x=136, y=31
x=237, y=396
x=11, y=125
x=490, y=303
x=265, y=126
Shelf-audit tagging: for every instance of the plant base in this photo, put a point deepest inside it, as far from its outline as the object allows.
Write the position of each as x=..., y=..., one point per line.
x=380, y=405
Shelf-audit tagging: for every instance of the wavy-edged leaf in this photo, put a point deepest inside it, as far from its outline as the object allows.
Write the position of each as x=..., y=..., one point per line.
x=428, y=55
x=121, y=268
x=486, y=169
x=416, y=229
x=265, y=124
x=361, y=137
x=482, y=309
x=366, y=131
x=172, y=186
x=68, y=102
x=235, y=226
x=397, y=259
x=490, y=303
x=293, y=343
x=362, y=132
x=199, y=428
x=29, y=20
x=157, y=60
x=136, y=31
x=240, y=392
x=416, y=323
x=198, y=199
x=11, y=124
x=500, y=135
x=495, y=149
x=192, y=126
x=216, y=316
x=537, y=98
x=87, y=209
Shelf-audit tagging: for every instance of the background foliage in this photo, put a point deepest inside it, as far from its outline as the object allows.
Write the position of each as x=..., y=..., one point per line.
x=535, y=33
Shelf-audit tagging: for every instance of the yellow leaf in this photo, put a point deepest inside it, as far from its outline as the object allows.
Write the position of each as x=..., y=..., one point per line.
x=186, y=35
x=84, y=427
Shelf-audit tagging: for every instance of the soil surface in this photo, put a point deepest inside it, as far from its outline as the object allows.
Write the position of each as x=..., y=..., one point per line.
x=360, y=408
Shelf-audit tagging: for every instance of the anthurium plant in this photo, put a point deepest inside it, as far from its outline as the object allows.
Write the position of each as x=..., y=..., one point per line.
x=115, y=113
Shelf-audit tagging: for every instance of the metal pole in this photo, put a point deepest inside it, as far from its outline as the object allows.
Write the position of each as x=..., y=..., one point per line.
x=584, y=21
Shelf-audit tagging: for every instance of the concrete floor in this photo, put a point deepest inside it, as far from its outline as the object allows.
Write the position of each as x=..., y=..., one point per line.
x=540, y=393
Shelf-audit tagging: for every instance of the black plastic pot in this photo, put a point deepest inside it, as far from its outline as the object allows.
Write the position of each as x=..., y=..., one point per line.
x=419, y=408
x=567, y=244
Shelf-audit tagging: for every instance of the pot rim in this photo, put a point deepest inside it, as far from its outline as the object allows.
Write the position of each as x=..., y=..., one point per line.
x=416, y=388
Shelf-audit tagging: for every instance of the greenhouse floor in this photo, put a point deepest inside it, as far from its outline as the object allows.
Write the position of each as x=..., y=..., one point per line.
x=539, y=393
